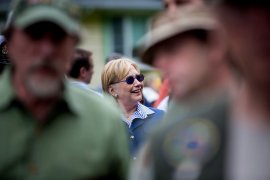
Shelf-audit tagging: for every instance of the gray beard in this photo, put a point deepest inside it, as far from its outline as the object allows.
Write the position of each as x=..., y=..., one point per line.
x=43, y=88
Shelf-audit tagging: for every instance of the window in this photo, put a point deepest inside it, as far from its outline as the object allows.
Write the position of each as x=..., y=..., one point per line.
x=126, y=31
x=117, y=35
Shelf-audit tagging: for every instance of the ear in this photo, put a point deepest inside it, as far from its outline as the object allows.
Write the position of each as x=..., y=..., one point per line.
x=111, y=90
x=82, y=72
x=217, y=47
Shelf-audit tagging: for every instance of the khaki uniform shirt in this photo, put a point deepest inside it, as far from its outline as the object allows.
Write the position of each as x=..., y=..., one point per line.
x=83, y=137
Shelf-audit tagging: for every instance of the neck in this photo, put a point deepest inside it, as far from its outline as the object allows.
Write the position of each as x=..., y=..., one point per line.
x=81, y=79
x=253, y=104
x=128, y=109
x=258, y=96
x=38, y=107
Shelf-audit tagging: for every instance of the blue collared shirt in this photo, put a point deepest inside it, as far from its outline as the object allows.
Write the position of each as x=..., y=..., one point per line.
x=141, y=112
x=140, y=124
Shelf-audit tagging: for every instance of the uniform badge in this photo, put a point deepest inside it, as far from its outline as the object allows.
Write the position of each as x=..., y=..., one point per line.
x=189, y=145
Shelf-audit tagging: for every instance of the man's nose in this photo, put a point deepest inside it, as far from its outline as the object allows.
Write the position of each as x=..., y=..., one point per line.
x=46, y=46
x=161, y=63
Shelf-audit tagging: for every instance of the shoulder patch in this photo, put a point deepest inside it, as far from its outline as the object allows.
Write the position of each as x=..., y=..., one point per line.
x=190, y=144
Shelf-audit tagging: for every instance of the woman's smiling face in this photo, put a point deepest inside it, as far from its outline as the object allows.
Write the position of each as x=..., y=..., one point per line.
x=129, y=94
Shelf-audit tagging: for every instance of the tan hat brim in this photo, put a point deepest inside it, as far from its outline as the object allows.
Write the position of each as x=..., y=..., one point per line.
x=169, y=30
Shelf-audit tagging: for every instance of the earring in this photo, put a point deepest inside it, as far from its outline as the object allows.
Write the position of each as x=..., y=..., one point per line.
x=115, y=96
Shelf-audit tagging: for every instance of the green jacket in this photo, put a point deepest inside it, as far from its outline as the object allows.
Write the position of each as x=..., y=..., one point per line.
x=83, y=137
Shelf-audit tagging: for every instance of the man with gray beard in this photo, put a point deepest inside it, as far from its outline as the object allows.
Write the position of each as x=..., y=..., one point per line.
x=49, y=129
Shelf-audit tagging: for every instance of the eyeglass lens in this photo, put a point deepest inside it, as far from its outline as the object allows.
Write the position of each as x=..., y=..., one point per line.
x=130, y=79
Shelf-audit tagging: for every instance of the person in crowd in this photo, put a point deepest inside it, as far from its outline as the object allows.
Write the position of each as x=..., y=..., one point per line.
x=185, y=48
x=122, y=80
x=170, y=9
x=164, y=96
x=4, y=61
x=49, y=129
x=191, y=54
x=82, y=69
x=151, y=87
x=115, y=56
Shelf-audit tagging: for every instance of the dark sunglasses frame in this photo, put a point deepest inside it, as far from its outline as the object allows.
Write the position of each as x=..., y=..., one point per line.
x=130, y=79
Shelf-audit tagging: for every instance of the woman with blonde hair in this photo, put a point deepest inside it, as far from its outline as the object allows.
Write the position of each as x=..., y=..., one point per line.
x=121, y=79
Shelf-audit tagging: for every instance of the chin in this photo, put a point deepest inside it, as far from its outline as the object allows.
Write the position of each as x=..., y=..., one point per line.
x=43, y=87
x=140, y=99
x=136, y=100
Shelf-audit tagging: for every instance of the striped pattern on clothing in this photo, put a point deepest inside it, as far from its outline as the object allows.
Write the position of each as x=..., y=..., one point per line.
x=141, y=113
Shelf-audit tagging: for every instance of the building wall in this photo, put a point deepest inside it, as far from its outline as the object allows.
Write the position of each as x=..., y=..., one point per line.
x=104, y=34
x=92, y=39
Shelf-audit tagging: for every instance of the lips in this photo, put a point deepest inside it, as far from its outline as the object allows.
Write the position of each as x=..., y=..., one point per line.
x=136, y=91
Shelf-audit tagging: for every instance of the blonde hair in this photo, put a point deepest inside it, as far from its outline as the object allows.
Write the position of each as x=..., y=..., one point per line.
x=115, y=71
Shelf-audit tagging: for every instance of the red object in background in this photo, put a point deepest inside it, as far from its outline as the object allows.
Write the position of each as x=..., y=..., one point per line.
x=163, y=92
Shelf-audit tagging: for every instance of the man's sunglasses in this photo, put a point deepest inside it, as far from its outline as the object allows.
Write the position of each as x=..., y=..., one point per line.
x=131, y=79
x=38, y=30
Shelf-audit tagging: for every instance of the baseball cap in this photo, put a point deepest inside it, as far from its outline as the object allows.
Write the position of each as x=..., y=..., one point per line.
x=167, y=25
x=63, y=13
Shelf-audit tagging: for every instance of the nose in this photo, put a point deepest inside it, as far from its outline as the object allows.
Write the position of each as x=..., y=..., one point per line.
x=46, y=46
x=137, y=83
x=161, y=63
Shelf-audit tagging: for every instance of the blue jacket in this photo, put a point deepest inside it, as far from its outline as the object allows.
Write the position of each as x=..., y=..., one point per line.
x=140, y=128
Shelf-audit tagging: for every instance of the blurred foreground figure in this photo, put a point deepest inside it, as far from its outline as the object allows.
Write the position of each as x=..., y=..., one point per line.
x=48, y=129
x=247, y=27
x=189, y=50
x=4, y=60
x=122, y=80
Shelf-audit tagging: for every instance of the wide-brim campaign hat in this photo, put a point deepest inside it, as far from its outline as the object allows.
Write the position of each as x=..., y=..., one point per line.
x=63, y=13
x=167, y=25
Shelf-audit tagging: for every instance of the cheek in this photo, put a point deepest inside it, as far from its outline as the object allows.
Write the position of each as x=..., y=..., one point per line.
x=68, y=67
x=160, y=63
x=20, y=50
x=178, y=66
x=123, y=90
x=64, y=56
